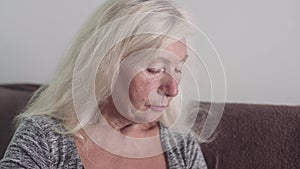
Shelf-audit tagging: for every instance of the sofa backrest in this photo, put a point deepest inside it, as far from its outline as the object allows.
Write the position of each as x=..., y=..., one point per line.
x=252, y=136
x=13, y=98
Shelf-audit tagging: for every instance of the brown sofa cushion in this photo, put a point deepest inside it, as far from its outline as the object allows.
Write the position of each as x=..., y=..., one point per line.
x=12, y=99
x=252, y=136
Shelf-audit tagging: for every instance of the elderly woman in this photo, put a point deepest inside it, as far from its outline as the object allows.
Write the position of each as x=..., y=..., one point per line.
x=110, y=103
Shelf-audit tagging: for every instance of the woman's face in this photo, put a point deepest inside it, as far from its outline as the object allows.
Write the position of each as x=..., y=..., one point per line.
x=151, y=89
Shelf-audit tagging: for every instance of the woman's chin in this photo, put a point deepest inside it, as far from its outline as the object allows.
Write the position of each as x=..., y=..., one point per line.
x=148, y=116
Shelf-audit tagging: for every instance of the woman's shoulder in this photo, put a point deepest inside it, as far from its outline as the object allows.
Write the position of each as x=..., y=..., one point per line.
x=46, y=131
x=40, y=121
x=37, y=143
x=40, y=125
x=49, y=130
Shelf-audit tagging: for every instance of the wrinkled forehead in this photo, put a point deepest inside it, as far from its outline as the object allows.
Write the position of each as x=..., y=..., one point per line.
x=178, y=49
x=172, y=53
x=146, y=57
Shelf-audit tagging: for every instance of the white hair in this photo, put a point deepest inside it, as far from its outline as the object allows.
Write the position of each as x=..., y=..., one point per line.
x=98, y=34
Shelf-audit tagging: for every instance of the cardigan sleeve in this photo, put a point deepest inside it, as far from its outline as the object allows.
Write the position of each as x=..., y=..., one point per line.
x=28, y=147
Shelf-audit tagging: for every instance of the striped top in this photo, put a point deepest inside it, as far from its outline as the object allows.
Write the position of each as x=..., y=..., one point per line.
x=35, y=144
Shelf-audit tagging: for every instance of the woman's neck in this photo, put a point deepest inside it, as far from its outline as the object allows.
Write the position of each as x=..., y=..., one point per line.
x=125, y=126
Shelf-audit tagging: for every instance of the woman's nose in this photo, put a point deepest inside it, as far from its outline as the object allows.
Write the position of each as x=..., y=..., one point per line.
x=169, y=86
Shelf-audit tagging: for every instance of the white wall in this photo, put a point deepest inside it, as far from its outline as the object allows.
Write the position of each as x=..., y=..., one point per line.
x=258, y=42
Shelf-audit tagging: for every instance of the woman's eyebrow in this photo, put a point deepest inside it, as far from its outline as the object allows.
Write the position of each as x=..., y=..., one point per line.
x=184, y=59
x=163, y=59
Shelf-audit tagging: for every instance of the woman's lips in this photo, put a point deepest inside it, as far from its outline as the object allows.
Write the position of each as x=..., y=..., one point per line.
x=158, y=108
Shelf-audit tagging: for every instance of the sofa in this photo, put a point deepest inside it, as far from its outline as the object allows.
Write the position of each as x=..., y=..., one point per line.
x=249, y=136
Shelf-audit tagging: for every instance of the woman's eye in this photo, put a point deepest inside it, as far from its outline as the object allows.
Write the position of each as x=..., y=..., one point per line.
x=178, y=71
x=154, y=70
